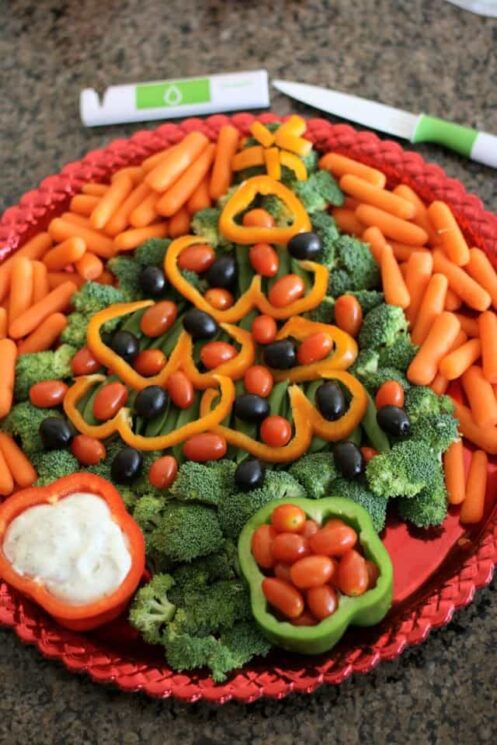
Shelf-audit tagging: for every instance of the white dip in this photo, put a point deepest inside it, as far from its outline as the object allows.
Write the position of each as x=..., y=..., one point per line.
x=73, y=547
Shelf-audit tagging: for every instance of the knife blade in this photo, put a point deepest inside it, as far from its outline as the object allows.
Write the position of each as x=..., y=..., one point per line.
x=479, y=146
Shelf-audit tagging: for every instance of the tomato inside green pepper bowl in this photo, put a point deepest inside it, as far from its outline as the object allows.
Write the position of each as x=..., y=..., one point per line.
x=424, y=575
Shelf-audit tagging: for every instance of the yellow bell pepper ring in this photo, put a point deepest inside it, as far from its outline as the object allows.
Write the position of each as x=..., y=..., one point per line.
x=303, y=304
x=234, y=368
x=262, y=134
x=294, y=163
x=121, y=422
x=341, y=428
x=242, y=199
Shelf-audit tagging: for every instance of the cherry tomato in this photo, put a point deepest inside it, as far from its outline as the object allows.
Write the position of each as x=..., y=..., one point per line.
x=314, y=348
x=149, y=362
x=219, y=298
x=368, y=453
x=288, y=518
x=282, y=571
x=180, y=389
x=262, y=539
x=84, y=363
x=214, y=353
x=335, y=522
x=333, y=541
x=306, y=619
x=288, y=547
x=88, y=450
x=163, y=472
x=264, y=259
x=352, y=574
x=283, y=597
x=264, y=329
x=108, y=400
x=309, y=528
x=205, y=446
x=322, y=601
x=158, y=318
x=258, y=380
x=373, y=573
x=47, y=393
x=312, y=571
x=348, y=314
x=286, y=290
x=276, y=431
x=390, y=393
x=197, y=258
x=258, y=218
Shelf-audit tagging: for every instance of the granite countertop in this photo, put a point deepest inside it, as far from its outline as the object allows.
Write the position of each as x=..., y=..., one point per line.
x=423, y=55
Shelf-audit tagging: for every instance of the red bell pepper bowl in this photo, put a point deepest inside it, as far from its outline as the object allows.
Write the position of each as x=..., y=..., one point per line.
x=436, y=571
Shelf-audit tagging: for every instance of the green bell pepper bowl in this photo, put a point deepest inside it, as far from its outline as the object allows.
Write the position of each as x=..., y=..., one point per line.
x=365, y=610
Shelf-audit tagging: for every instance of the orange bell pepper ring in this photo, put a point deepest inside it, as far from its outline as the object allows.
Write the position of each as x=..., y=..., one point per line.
x=93, y=614
x=341, y=428
x=234, y=368
x=241, y=200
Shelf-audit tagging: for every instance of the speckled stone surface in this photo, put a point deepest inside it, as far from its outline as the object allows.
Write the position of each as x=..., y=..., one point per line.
x=419, y=54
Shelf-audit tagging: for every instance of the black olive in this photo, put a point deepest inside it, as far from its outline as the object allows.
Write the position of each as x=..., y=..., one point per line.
x=152, y=281
x=125, y=344
x=223, y=272
x=250, y=474
x=394, y=421
x=151, y=401
x=55, y=433
x=330, y=401
x=251, y=408
x=106, y=337
x=126, y=465
x=348, y=459
x=200, y=324
x=281, y=354
x=305, y=246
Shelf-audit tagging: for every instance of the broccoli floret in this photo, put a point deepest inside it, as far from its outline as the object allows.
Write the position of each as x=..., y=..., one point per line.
x=204, y=571
x=235, y=509
x=186, y=652
x=186, y=531
x=148, y=512
x=54, y=464
x=325, y=227
x=37, y=366
x=204, y=483
x=152, y=252
x=195, y=280
x=311, y=161
x=318, y=191
x=422, y=401
x=24, y=421
x=436, y=430
x=429, y=507
x=225, y=198
x=368, y=299
x=94, y=297
x=366, y=363
x=127, y=273
x=400, y=354
x=355, y=267
x=151, y=609
x=382, y=326
x=403, y=471
x=374, y=380
x=324, y=312
x=359, y=492
x=278, y=210
x=206, y=224
x=212, y=608
x=75, y=331
x=315, y=472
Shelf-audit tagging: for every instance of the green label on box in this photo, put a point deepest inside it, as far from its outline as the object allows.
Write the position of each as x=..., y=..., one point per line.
x=173, y=93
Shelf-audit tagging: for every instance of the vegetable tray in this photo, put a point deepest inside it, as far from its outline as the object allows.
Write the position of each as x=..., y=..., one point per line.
x=435, y=571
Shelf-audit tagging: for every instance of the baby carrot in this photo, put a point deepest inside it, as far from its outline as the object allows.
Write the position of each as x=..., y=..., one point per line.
x=451, y=237
x=176, y=161
x=376, y=241
x=3, y=323
x=89, y=266
x=83, y=204
x=468, y=325
x=404, y=253
x=461, y=283
x=227, y=145
x=19, y=465
x=40, y=281
x=431, y=305
x=56, y=300
x=179, y=224
x=78, y=219
x=418, y=273
x=381, y=198
x=454, y=472
x=421, y=217
x=21, y=287
x=452, y=301
x=181, y=191
x=391, y=226
x=120, y=219
x=482, y=271
x=480, y=397
x=349, y=203
x=394, y=286
x=347, y=221
x=45, y=335
x=61, y=229
x=65, y=253
x=95, y=190
x=118, y=191
x=34, y=249
x=130, y=239
x=474, y=502
x=146, y=212
x=483, y=437
x=487, y=324
x=8, y=355
x=339, y=165
x=55, y=279
x=439, y=384
x=200, y=199
x=106, y=278
x=149, y=163
x=456, y=362
x=135, y=173
x=6, y=480
x=438, y=341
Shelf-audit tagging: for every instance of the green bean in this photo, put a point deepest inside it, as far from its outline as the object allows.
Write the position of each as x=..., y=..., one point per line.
x=277, y=397
x=168, y=341
x=376, y=436
x=185, y=417
x=163, y=423
x=297, y=269
x=245, y=271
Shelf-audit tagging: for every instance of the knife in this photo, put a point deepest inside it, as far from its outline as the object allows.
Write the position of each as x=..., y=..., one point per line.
x=479, y=146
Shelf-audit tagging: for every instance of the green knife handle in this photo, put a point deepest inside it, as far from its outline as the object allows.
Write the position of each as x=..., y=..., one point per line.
x=478, y=146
